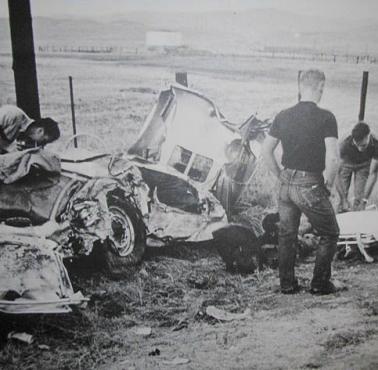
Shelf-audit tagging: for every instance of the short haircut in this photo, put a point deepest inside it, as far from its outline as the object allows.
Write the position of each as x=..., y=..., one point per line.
x=360, y=131
x=311, y=78
x=49, y=126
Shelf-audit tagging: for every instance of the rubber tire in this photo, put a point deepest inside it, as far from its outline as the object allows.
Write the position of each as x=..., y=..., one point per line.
x=239, y=248
x=114, y=265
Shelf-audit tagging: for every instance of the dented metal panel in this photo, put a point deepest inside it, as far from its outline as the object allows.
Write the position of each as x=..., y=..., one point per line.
x=33, y=277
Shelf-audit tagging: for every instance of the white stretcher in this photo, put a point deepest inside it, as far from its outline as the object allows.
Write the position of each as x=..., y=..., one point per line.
x=358, y=229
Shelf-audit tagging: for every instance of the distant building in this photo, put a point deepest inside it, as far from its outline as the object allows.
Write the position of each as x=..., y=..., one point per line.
x=163, y=39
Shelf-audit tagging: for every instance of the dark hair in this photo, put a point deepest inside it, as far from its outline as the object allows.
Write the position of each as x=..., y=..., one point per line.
x=49, y=126
x=360, y=131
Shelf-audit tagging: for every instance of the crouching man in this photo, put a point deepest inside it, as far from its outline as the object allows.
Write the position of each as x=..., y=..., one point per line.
x=308, y=135
x=18, y=131
x=359, y=157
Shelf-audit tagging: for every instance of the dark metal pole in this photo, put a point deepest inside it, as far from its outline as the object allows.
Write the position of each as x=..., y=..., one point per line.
x=298, y=80
x=24, y=67
x=73, y=111
x=182, y=78
x=365, y=79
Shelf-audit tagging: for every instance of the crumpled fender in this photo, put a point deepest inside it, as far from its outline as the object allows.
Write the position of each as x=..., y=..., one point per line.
x=88, y=216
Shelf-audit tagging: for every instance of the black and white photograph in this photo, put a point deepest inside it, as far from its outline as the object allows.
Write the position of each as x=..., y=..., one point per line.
x=189, y=184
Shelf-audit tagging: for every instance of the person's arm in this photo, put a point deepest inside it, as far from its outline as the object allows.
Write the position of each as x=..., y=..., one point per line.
x=339, y=188
x=331, y=161
x=373, y=174
x=344, y=202
x=269, y=146
x=338, y=181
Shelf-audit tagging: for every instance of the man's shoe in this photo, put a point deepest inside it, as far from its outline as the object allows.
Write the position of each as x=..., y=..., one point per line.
x=328, y=288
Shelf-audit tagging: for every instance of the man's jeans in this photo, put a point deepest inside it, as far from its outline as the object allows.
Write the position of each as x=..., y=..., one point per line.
x=304, y=192
x=361, y=174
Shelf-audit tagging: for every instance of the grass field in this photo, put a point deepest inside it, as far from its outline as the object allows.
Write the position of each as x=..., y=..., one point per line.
x=117, y=94
x=170, y=295
x=114, y=94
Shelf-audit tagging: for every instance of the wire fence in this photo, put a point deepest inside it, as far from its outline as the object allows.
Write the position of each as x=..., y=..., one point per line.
x=272, y=54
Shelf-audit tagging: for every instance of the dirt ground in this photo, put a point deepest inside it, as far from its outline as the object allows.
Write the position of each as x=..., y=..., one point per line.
x=169, y=294
x=282, y=332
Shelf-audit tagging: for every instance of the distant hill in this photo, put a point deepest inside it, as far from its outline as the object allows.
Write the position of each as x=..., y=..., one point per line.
x=228, y=32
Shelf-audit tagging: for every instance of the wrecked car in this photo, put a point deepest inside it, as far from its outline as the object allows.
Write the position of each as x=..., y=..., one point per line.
x=178, y=182
x=80, y=211
x=196, y=164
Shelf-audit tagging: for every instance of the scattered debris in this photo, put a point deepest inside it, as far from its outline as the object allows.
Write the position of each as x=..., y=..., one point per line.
x=44, y=347
x=22, y=337
x=347, y=338
x=177, y=361
x=372, y=307
x=183, y=324
x=201, y=281
x=110, y=304
x=144, y=331
x=226, y=316
x=340, y=286
x=155, y=352
x=313, y=365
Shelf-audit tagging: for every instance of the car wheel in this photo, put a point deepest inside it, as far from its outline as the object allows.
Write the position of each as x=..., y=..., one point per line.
x=239, y=248
x=125, y=247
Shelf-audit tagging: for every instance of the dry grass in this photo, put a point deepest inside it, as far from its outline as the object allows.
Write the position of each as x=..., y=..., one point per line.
x=169, y=295
x=165, y=293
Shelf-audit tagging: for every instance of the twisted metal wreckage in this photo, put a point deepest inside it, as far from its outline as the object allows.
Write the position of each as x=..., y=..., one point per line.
x=162, y=191
x=178, y=182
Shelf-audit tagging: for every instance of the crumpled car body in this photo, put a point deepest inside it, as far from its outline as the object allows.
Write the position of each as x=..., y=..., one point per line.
x=46, y=217
x=176, y=183
x=195, y=162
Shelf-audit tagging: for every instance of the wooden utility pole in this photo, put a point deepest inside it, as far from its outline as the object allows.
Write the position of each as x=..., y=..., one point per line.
x=364, y=85
x=24, y=67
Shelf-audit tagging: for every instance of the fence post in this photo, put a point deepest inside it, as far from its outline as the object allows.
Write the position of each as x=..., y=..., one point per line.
x=364, y=85
x=182, y=78
x=299, y=93
x=73, y=110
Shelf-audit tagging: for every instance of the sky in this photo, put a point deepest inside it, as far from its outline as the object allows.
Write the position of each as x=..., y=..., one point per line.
x=350, y=9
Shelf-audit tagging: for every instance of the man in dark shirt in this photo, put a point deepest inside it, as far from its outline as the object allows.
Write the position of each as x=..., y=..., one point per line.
x=359, y=156
x=308, y=135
